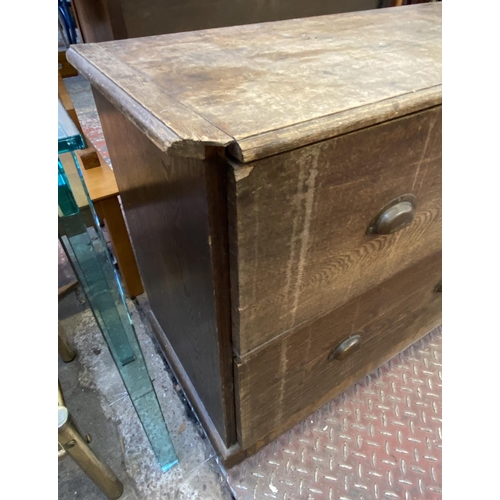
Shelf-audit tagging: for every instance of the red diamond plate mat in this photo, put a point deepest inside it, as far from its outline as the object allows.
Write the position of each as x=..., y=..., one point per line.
x=381, y=439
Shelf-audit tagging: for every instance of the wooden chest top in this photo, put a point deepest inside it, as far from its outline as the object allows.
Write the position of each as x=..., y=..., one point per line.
x=267, y=88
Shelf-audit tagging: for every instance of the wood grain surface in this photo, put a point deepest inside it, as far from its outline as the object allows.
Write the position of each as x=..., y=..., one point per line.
x=298, y=223
x=250, y=161
x=283, y=384
x=271, y=87
x=180, y=256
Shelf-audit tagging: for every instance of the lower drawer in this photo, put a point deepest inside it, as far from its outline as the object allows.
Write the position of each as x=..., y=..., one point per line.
x=289, y=379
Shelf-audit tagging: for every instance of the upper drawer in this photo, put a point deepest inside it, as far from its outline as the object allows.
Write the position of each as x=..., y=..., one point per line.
x=298, y=223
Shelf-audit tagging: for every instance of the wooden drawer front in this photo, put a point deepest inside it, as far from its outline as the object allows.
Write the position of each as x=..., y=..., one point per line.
x=298, y=223
x=292, y=377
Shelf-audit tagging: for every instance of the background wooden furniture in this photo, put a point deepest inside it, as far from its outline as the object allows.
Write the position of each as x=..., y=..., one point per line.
x=282, y=185
x=101, y=184
x=102, y=20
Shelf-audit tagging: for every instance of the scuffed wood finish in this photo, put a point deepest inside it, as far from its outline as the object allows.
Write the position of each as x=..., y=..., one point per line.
x=169, y=124
x=271, y=87
x=250, y=161
x=343, y=122
x=182, y=256
x=291, y=378
x=298, y=223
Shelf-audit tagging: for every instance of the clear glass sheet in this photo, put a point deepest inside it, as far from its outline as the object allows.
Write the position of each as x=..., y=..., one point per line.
x=69, y=138
x=90, y=256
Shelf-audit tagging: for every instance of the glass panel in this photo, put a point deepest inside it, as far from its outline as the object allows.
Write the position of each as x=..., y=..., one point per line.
x=68, y=135
x=87, y=249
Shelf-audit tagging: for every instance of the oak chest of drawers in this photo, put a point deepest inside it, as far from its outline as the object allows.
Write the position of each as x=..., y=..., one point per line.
x=282, y=187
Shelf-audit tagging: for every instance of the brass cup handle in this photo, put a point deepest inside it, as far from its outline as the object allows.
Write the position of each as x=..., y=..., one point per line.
x=347, y=347
x=396, y=215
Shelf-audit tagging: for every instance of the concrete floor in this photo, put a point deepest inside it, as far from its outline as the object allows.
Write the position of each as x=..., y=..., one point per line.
x=97, y=399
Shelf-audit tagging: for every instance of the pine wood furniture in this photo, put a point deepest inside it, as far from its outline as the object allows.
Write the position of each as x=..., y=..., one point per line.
x=103, y=191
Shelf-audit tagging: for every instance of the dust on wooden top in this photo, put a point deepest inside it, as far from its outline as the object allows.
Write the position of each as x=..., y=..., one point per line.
x=266, y=88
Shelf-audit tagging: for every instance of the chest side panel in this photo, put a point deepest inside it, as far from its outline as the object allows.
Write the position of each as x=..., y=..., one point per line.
x=176, y=221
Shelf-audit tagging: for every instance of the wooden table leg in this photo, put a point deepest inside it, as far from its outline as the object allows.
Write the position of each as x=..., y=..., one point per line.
x=98, y=211
x=75, y=445
x=113, y=218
